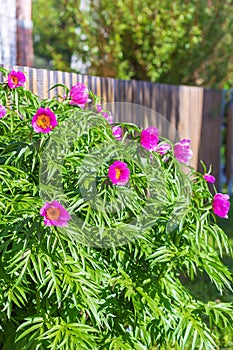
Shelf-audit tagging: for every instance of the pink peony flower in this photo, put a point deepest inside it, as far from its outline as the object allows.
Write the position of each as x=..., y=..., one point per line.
x=117, y=132
x=44, y=120
x=118, y=173
x=163, y=148
x=150, y=138
x=221, y=205
x=2, y=111
x=209, y=178
x=182, y=151
x=54, y=214
x=99, y=108
x=108, y=116
x=16, y=79
x=79, y=95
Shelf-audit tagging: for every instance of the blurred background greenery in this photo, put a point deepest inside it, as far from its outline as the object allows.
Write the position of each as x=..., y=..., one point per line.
x=174, y=42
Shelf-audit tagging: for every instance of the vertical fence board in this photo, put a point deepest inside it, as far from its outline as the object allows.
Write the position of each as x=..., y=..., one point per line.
x=190, y=117
x=195, y=121
x=183, y=124
x=210, y=138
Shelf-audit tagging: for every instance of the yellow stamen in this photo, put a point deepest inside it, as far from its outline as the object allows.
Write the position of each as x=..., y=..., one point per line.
x=43, y=121
x=53, y=213
x=14, y=80
x=118, y=173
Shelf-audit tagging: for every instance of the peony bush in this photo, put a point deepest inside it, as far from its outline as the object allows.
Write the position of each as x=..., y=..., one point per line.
x=99, y=223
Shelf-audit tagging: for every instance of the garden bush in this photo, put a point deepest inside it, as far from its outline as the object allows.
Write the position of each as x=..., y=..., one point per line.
x=100, y=222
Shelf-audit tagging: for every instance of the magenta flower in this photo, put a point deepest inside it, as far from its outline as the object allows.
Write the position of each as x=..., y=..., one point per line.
x=2, y=111
x=221, y=205
x=79, y=95
x=209, y=178
x=16, y=79
x=44, y=120
x=99, y=108
x=108, y=116
x=150, y=138
x=118, y=173
x=163, y=148
x=55, y=214
x=117, y=132
x=182, y=151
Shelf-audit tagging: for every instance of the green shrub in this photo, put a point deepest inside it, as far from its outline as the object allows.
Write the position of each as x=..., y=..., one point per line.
x=110, y=277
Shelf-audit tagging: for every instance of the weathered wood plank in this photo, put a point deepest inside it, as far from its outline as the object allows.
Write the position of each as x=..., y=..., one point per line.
x=210, y=135
x=190, y=117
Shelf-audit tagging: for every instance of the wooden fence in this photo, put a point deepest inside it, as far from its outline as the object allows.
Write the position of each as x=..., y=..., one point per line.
x=195, y=112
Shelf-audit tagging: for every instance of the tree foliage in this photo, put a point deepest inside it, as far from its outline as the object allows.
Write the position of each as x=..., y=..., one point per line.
x=174, y=42
x=55, y=32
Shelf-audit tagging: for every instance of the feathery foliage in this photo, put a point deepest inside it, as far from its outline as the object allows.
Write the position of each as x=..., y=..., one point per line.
x=111, y=278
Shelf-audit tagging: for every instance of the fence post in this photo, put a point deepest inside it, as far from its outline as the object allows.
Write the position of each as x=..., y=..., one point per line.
x=229, y=147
